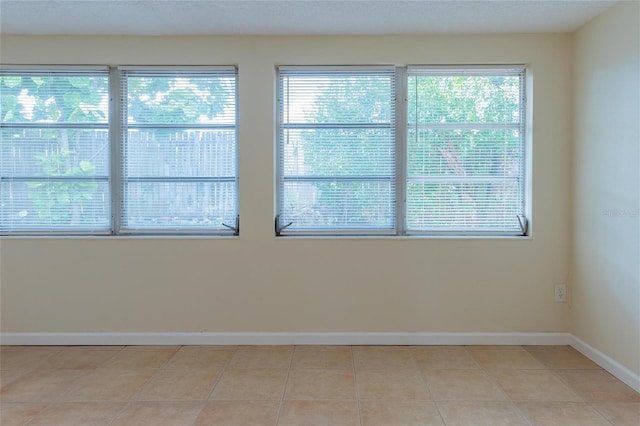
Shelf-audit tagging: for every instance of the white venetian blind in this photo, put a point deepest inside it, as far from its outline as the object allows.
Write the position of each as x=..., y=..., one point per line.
x=465, y=150
x=336, y=146
x=54, y=150
x=179, y=150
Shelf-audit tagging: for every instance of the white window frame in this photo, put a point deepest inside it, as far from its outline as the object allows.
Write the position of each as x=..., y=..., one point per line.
x=115, y=159
x=63, y=70
x=120, y=186
x=281, y=228
x=480, y=70
x=402, y=178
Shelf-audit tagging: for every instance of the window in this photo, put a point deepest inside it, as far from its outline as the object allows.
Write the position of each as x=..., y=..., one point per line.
x=465, y=151
x=179, y=150
x=460, y=138
x=164, y=162
x=54, y=151
x=336, y=137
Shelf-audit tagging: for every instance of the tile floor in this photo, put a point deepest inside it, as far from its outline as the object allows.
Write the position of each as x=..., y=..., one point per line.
x=309, y=385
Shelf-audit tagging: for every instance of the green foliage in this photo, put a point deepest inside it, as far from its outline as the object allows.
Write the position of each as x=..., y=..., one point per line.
x=62, y=99
x=56, y=200
x=174, y=100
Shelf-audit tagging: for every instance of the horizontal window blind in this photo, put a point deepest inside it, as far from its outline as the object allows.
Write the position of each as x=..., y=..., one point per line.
x=179, y=150
x=336, y=149
x=465, y=150
x=54, y=150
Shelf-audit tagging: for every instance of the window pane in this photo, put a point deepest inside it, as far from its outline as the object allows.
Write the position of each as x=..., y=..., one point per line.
x=337, y=124
x=181, y=99
x=180, y=205
x=464, y=99
x=338, y=97
x=465, y=150
x=54, y=98
x=464, y=206
x=54, y=205
x=54, y=152
x=339, y=152
x=339, y=205
x=181, y=153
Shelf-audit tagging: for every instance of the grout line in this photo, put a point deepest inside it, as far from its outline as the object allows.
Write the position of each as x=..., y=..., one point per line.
x=517, y=409
x=122, y=410
x=591, y=404
x=195, y=419
x=122, y=348
x=171, y=357
x=224, y=369
x=426, y=385
x=46, y=405
x=286, y=383
x=355, y=384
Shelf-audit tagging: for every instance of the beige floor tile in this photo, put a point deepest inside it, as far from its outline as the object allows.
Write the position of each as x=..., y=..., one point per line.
x=503, y=357
x=41, y=385
x=78, y=414
x=239, y=413
x=619, y=413
x=25, y=357
x=81, y=357
x=489, y=413
x=109, y=385
x=443, y=357
x=561, y=414
x=382, y=357
x=597, y=385
x=178, y=385
x=18, y=413
x=202, y=357
x=391, y=385
x=405, y=413
x=533, y=385
x=561, y=357
x=262, y=357
x=140, y=357
x=251, y=384
x=327, y=357
x=159, y=414
x=329, y=413
x=320, y=384
x=462, y=385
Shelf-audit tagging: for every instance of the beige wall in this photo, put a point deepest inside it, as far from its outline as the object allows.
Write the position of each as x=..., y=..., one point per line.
x=260, y=283
x=606, y=237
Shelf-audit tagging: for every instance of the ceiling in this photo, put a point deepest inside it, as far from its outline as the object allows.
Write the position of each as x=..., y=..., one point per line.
x=289, y=17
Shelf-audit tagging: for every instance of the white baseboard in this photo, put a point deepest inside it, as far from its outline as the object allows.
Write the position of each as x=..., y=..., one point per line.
x=620, y=371
x=284, y=338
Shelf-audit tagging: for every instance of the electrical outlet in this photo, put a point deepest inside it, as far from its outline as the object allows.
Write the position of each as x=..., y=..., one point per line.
x=560, y=294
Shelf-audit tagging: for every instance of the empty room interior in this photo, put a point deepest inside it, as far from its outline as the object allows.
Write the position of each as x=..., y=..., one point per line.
x=317, y=212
